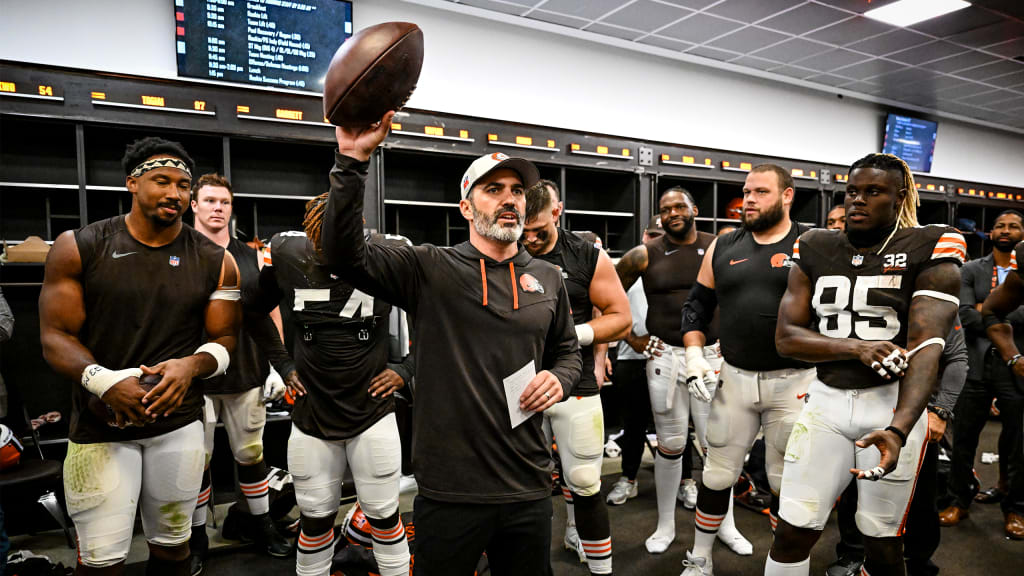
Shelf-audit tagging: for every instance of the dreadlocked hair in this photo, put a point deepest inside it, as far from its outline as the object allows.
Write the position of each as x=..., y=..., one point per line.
x=313, y=223
x=892, y=163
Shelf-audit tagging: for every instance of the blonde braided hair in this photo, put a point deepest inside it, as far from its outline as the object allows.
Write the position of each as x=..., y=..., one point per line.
x=907, y=217
x=313, y=223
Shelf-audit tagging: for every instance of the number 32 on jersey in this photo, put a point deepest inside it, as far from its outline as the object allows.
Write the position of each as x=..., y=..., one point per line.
x=835, y=304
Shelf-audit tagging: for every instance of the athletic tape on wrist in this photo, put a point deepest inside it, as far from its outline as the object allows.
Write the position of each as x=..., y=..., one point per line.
x=220, y=354
x=227, y=294
x=693, y=354
x=585, y=334
x=97, y=379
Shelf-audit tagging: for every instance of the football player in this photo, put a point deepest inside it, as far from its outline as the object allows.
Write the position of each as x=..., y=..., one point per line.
x=871, y=309
x=669, y=267
x=744, y=277
x=344, y=414
x=578, y=423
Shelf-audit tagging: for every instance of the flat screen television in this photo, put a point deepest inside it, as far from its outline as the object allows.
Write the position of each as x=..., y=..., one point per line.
x=912, y=139
x=282, y=44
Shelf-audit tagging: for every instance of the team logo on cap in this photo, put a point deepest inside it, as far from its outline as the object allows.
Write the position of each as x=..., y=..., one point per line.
x=499, y=156
x=530, y=284
x=465, y=181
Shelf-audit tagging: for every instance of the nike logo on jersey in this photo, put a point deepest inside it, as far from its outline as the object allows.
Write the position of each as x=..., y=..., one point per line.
x=735, y=262
x=117, y=255
x=668, y=253
x=801, y=396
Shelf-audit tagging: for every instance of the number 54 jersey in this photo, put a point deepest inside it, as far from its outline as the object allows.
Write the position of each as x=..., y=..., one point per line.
x=865, y=295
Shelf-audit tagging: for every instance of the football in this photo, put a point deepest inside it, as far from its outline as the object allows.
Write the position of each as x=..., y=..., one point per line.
x=374, y=71
x=100, y=409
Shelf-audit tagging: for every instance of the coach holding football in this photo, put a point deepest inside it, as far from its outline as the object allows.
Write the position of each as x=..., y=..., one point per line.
x=484, y=310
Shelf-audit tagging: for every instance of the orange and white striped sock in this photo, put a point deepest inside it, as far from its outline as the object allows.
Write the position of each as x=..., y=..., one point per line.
x=390, y=546
x=314, y=553
x=599, y=555
x=255, y=485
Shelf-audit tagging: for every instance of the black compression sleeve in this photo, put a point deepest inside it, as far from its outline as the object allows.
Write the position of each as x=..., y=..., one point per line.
x=699, y=309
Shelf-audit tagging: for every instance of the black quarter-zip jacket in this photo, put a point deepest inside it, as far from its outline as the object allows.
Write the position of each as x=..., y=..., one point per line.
x=477, y=322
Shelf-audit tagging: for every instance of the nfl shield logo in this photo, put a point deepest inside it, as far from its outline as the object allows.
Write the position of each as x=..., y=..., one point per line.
x=857, y=260
x=174, y=261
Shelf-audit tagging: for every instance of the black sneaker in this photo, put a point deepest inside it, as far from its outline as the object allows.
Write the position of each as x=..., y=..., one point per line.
x=845, y=566
x=265, y=534
x=199, y=545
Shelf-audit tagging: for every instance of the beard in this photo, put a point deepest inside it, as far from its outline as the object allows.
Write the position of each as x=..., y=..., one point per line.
x=682, y=234
x=487, y=225
x=766, y=219
x=1004, y=244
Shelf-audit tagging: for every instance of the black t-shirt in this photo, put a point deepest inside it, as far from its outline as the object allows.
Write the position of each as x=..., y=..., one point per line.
x=671, y=273
x=750, y=279
x=864, y=295
x=577, y=259
x=249, y=369
x=143, y=305
x=341, y=338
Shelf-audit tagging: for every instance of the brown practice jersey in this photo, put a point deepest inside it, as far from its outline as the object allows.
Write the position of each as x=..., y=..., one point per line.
x=864, y=295
x=143, y=305
x=671, y=273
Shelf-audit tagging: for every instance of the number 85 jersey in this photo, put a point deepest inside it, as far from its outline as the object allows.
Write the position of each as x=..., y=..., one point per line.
x=864, y=295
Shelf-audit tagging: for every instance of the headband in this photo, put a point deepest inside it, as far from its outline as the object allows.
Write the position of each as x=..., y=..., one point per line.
x=165, y=162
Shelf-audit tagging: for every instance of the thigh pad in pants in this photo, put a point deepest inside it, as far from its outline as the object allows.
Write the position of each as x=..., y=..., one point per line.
x=375, y=458
x=101, y=486
x=732, y=426
x=172, y=471
x=671, y=424
x=578, y=424
x=316, y=466
x=244, y=417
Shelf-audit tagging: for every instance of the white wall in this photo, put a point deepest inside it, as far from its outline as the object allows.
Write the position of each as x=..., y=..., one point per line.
x=481, y=67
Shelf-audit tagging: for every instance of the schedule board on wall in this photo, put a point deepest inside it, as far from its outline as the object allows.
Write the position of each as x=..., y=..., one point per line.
x=284, y=44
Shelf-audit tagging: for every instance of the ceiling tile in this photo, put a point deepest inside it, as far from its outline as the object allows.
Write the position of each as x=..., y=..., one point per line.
x=926, y=52
x=794, y=72
x=989, y=98
x=960, y=61
x=791, y=50
x=870, y=68
x=891, y=42
x=748, y=39
x=906, y=77
x=829, y=80
x=988, y=35
x=591, y=9
x=805, y=18
x=712, y=53
x=939, y=82
x=1011, y=49
x=751, y=10
x=646, y=15
x=863, y=87
x=858, y=6
x=851, y=30
x=694, y=4
x=667, y=43
x=829, y=61
x=562, y=19
x=1008, y=81
x=752, y=62
x=957, y=108
x=496, y=6
x=986, y=71
x=957, y=22
x=613, y=31
x=699, y=28
x=964, y=91
x=1014, y=104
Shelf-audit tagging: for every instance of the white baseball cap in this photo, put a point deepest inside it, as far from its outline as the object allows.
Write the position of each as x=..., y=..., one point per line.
x=481, y=166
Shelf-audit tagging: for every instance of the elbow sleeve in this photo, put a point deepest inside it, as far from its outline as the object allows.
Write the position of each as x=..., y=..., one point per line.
x=699, y=308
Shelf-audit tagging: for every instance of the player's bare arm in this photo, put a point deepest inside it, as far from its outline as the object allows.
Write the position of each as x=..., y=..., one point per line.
x=609, y=298
x=795, y=339
x=929, y=318
x=223, y=318
x=61, y=317
x=706, y=278
x=999, y=304
x=631, y=266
